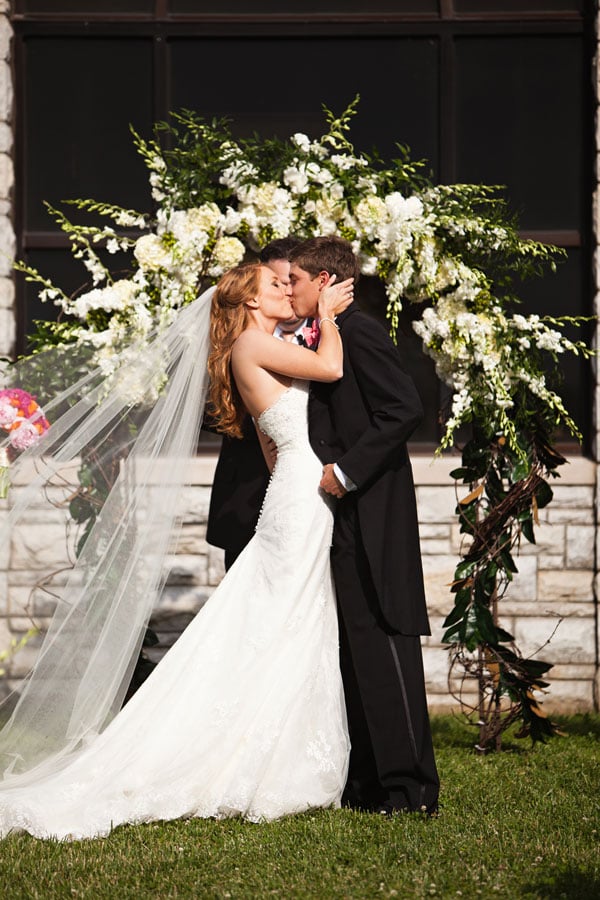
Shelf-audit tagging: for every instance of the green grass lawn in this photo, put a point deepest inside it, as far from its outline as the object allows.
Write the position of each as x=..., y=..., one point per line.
x=523, y=823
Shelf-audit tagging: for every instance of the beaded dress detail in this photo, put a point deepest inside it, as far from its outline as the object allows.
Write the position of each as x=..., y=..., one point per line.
x=245, y=713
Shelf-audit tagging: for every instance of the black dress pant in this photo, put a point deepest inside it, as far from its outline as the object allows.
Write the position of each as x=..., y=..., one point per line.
x=392, y=759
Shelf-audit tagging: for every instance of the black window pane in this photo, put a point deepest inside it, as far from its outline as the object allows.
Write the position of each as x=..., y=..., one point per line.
x=40, y=7
x=80, y=98
x=520, y=114
x=305, y=7
x=518, y=6
x=292, y=77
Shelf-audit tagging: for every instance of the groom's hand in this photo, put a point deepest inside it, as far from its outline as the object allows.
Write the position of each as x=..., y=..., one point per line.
x=330, y=483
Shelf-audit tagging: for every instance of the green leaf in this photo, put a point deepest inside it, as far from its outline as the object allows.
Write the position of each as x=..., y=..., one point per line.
x=543, y=494
x=464, y=569
x=80, y=509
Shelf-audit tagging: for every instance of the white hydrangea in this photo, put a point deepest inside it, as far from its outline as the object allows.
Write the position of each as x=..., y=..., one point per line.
x=228, y=252
x=151, y=253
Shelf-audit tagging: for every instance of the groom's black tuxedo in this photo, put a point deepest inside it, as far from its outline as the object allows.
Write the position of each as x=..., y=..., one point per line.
x=238, y=490
x=362, y=423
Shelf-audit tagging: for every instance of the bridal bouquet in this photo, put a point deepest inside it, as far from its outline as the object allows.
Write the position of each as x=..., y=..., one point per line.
x=24, y=420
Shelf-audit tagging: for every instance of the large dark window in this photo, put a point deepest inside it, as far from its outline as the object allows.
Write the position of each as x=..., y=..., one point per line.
x=497, y=92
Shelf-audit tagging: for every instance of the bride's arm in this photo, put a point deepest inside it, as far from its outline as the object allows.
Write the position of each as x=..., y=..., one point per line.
x=256, y=348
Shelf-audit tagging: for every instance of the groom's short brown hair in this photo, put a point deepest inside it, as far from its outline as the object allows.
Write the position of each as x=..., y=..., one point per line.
x=330, y=254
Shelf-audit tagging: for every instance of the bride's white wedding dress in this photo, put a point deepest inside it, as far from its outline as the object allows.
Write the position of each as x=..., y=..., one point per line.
x=245, y=713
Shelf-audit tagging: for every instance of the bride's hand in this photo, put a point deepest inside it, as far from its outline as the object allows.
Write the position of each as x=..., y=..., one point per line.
x=334, y=298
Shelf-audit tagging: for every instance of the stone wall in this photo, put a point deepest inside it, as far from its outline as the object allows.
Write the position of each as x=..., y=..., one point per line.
x=550, y=607
x=7, y=235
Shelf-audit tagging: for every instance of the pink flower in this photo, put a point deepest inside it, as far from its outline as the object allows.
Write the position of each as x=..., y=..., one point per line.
x=23, y=434
x=311, y=334
x=8, y=413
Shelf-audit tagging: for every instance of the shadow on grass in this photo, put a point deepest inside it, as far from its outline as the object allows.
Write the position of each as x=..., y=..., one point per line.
x=571, y=884
x=453, y=731
x=585, y=724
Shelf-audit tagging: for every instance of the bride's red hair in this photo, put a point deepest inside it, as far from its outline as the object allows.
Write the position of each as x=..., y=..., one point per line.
x=228, y=318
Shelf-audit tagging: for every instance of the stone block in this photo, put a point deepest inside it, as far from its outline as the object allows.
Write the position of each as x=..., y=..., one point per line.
x=7, y=293
x=550, y=562
x=581, y=515
x=573, y=672
x=549, y=538
x=573, y=496
x=460, y=542
x=216, y=565
x=434, y=547
x=6, y=92
x=435, y=664
x=8, y=332
x=434, y=531
x=186, y=569
x=194, y=503
x=191, y=540
x=572, y=642
x=42, y=548
x=6, y=138
x=438, y=573
x=524, y=583
x=553, y=610
x=178, y=600
x=436, y=504
x=569, y=697
x=580, y=546
x=8, y=245
x=566, y=584
x=5, y=31
x=7, y=175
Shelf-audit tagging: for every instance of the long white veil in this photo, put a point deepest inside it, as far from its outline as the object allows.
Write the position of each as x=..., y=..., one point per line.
x=131, y=435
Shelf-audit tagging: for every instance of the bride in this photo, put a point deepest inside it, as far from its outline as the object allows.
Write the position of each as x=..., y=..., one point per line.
x=245, y=713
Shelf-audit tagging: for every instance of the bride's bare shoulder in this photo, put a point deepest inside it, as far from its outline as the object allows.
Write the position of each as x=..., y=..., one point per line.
x=251, y=339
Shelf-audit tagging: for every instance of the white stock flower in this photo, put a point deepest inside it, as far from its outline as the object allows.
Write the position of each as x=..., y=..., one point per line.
x=116, y=296
x=402, y=208
x=296, y=178
x=301, y=141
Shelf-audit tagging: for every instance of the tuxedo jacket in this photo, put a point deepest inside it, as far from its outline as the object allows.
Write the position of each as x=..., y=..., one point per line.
x=239, y=485
x=363, y=422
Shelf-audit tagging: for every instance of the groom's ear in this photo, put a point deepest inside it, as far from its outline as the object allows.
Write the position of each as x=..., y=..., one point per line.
x=323, y=278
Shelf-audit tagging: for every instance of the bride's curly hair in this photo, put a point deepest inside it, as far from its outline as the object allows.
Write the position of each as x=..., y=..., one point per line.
x=228, y=318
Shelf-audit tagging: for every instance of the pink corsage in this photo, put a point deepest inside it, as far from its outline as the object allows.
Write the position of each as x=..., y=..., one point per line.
x=311, y=334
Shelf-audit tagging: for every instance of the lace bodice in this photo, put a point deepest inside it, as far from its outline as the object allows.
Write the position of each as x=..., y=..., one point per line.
x=285, y=421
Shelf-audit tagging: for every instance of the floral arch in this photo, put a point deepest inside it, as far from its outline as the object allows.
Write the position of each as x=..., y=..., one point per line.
x=451, y=252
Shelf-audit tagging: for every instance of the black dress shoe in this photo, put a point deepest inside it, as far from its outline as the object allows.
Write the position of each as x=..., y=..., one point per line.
x=390, y=809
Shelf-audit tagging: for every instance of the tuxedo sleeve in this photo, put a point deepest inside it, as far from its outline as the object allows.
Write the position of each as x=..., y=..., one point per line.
x=389, y=395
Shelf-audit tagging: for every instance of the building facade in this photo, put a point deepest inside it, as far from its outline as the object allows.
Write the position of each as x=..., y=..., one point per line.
x=552, y=606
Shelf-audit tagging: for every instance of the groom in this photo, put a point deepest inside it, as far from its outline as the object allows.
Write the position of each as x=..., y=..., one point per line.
x=359, y=427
